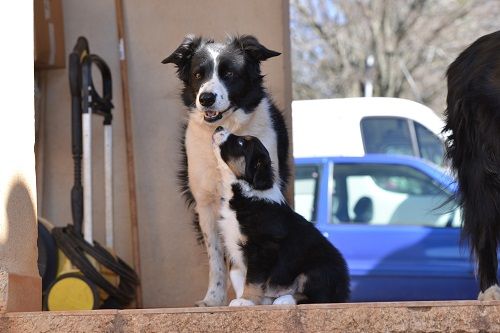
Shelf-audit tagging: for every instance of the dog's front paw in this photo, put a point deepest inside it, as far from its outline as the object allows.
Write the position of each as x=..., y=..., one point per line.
x=490, y=294
x=201, y=304
x=241, y=302
x=285, y=300
x=209, y=302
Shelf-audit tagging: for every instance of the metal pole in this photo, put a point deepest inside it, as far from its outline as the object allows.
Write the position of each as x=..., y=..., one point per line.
x=108, y=180
x=87, y=170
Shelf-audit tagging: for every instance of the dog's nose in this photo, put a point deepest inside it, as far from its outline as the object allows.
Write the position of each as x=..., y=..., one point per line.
x=207, y=98
x=219, y=128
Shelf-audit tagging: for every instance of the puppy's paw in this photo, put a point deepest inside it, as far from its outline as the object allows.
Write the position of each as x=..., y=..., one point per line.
x=285, y=300
x=241, y=302
x=490, y=294
x=266, y=301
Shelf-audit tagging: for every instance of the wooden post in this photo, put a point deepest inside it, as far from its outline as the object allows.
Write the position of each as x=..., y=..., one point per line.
x=130, y=147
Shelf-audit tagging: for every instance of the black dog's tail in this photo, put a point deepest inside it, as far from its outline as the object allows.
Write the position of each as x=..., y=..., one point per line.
x=473, y=119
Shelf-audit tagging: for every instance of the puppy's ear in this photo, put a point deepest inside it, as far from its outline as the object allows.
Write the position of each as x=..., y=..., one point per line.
x=251, y=46
x=263, y=176
x=258, y=169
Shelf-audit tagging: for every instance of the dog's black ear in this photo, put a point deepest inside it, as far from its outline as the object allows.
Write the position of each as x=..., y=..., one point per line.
x=258, y=169
x=182, y=55
x=251, y=46
x=263, y=177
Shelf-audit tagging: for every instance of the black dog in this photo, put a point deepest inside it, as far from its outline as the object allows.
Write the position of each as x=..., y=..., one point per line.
x=223, y=86
x=473, y=117
x=278, y=256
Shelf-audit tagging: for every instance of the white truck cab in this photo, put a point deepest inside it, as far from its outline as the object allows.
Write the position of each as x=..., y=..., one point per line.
x=366, y=125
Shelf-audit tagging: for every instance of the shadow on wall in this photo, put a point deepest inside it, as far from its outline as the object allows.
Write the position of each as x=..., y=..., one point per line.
x=18, y=235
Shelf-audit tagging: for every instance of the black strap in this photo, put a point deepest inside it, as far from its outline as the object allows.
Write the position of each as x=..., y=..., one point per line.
x=76, y=248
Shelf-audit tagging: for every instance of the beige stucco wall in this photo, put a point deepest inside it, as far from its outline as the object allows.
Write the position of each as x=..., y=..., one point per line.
x=18, y=251
x=174, y=267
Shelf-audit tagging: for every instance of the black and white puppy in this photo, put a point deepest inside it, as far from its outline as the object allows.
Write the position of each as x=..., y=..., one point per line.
x=276, y=255
x=473, y=119
x=223, y=85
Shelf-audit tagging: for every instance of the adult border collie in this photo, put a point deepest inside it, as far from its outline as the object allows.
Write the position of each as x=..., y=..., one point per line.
x=473, y=117
x=276, y=255
x=223, y=86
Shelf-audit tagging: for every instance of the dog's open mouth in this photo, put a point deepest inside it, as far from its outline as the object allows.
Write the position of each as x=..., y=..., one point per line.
x=211, y=116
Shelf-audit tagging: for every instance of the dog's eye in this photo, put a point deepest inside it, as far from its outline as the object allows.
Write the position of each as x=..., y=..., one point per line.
x=197, y=75
x=241, y=142
x=228, y=75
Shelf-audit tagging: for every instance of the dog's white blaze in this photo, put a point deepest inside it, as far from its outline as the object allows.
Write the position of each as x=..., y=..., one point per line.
x=215, y=86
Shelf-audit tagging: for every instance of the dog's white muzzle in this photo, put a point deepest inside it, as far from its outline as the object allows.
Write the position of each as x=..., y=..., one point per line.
x=220, y=136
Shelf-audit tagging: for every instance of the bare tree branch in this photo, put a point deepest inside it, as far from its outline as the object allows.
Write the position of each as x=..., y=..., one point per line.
x=413, y=41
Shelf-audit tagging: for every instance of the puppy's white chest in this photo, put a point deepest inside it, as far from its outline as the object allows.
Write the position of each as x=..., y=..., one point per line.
x=230, y=230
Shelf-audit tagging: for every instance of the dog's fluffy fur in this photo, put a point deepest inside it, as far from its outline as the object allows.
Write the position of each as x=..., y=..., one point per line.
x=276, y=255
x=223, y=86
x=473, y=118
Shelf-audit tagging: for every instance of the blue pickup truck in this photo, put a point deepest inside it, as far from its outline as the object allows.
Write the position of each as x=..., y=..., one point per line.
x=395, y=221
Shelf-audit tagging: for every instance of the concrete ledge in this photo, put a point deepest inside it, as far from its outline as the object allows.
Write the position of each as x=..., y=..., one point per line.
x=459, y=316
x=20, y=292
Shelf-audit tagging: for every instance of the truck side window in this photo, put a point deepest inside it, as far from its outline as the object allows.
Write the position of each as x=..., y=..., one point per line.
x=430, y=146
x=386, y=135
x=306, y=190
x=387, y=194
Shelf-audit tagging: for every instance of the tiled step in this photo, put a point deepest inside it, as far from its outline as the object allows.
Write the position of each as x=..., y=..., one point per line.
x=459, y=316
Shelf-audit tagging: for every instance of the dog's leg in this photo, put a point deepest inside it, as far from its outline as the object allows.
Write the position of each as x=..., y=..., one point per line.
x=216, y=293
x=237, y=275
x=487, y=272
